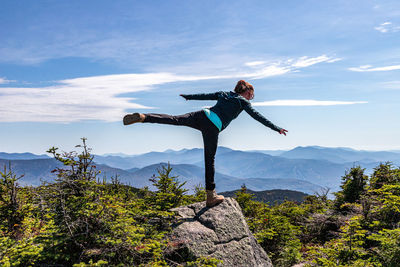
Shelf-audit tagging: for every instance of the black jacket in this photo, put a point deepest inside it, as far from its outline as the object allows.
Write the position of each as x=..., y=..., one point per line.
x=229, y=106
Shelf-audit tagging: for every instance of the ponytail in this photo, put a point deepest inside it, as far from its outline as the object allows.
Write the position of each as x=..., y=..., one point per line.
x=242, y=86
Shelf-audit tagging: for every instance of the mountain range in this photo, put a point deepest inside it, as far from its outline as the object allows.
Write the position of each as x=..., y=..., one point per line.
x=341, y=155
x=305, y=169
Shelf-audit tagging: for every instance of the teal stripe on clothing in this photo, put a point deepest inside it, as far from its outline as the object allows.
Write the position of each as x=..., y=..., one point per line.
x=213, y=118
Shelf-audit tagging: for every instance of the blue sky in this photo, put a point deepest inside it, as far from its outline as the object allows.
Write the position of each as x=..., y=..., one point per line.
x=327, y=71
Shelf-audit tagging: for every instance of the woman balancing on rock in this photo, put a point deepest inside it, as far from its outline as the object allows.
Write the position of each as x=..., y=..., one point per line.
x=211, y=121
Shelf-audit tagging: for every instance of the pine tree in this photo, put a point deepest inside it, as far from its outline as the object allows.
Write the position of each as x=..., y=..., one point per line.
x=170, y=190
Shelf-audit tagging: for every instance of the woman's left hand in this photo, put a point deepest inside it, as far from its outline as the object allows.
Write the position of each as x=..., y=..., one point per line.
x=283, y=131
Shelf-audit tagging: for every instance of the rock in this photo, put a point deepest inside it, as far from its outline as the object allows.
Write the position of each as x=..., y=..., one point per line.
x=220, y=232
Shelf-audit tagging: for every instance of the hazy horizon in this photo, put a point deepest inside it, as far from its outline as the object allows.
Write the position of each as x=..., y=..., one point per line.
x=190, y=148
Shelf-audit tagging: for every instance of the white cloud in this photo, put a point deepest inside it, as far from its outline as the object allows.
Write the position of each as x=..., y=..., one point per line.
x=254, y=63
x=290, y=65
x=268, y=71
x=4, y=80
x=395, y=85
x=306, y=102
x=334, y=60
x=370, y=68
x=307, y=61
x=381, y=29
x=97, y=98
x=89, y=98
x=387, y=27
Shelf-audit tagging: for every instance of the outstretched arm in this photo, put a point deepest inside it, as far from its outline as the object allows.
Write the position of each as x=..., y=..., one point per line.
x=259, y=117
x=211, y=96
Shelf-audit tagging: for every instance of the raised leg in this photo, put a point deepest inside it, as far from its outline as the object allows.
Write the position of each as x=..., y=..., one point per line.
x=188, y=119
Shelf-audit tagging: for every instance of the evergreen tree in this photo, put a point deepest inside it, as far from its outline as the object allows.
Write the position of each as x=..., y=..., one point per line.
x=353, y=185
x=170, y=192
x=10, y=215
x=385, y=173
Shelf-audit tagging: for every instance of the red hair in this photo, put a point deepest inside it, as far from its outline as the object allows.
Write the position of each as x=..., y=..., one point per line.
x=242, y=86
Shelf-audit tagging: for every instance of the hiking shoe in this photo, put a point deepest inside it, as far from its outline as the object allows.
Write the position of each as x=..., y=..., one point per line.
x=133, y=118
x=213, y=199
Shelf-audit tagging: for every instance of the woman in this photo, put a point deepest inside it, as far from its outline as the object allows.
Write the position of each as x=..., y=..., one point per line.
x=211, y=122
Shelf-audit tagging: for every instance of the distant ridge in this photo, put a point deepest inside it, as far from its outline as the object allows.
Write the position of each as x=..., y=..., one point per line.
x=271, y=196
x=194, y=175
x=22, y=156
x=340, y=154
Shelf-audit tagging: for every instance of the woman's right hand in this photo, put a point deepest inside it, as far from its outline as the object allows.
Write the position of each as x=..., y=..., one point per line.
x=283, y=131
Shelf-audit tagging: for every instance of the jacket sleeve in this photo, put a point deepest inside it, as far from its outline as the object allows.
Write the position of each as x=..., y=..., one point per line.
x=211, y=96
x=259, y=117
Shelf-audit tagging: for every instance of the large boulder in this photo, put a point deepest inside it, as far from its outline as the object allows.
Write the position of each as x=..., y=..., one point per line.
x=220, y=232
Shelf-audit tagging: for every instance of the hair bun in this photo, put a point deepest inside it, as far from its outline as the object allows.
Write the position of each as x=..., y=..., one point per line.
x=241, y=86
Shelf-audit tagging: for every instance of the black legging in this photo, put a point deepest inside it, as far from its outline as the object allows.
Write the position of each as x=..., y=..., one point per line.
x=197, y=120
